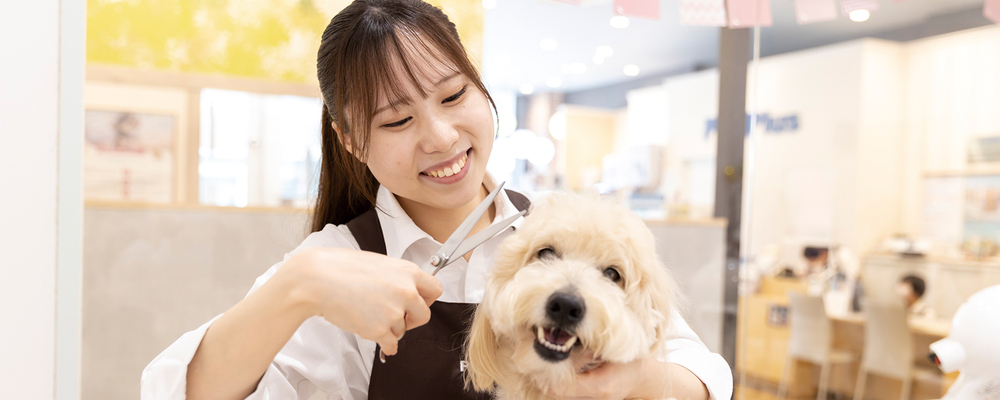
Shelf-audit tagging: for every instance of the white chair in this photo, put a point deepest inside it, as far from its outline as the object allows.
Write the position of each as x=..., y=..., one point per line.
x=810, y=340
x=888, y=348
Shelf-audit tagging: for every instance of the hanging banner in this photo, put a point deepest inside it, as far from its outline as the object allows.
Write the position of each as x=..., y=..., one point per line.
x=991, y=10
x=703, y=12
x=649, y=9
x=850, y=5
x=809, y=11
x=748, y=13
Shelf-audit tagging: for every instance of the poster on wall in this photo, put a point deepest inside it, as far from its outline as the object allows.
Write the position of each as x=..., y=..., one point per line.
x=981, y=230
x=128, y=156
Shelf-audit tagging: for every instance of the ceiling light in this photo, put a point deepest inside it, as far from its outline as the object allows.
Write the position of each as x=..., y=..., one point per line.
x=604, y=51
x=548, y=44
x=860, y=15
x=489, y=4
x=598, y=60
x=526, y=89
x=553, y=82
x=619, y=21
x=564, y=68
x=578, y=68
x=631, y=70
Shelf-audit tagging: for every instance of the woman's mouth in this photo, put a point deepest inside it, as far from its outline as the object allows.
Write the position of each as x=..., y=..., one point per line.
x=455, y=170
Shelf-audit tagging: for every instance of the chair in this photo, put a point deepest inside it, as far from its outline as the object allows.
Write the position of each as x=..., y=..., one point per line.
x=810, y=340
x=888, y=348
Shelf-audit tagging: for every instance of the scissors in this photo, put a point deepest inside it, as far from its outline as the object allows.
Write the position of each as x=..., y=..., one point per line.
x=457, y=244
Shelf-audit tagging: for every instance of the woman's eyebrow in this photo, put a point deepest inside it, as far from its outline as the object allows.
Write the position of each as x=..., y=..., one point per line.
x=446, y=79
x=406, y=100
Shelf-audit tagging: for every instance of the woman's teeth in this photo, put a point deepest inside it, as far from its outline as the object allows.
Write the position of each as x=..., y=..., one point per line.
x=452, y=170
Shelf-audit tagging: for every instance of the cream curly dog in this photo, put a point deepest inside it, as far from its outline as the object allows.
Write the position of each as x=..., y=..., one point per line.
x=579, y=283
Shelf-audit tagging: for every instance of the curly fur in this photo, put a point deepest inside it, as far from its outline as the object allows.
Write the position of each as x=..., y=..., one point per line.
x=623, y=321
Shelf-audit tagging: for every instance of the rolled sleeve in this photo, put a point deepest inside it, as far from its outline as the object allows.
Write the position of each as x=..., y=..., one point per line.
x=165, y=378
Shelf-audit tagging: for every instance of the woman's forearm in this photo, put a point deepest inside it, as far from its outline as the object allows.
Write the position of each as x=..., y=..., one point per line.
x=239, y=345
x=664, y=380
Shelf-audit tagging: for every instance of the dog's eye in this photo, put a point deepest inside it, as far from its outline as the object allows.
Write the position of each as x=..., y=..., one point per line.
x=612, y=273
x=546, y=252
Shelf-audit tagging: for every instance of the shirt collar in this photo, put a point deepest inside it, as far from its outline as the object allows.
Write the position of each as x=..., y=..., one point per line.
x=400, y=232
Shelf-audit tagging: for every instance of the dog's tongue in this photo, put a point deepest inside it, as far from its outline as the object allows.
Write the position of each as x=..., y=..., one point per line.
x=556, y=336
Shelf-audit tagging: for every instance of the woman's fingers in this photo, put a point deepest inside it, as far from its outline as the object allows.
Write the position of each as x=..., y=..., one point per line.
x=417, y=315
x=428, y=286
x=389, y=342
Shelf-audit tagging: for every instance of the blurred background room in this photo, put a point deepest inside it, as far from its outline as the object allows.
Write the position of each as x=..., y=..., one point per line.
x=825, y=162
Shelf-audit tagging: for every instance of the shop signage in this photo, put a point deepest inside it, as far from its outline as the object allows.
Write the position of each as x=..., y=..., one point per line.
x=771, y=125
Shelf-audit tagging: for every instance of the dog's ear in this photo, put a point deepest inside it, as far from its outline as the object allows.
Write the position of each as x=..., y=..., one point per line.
x=481, y=354
x=665, y=300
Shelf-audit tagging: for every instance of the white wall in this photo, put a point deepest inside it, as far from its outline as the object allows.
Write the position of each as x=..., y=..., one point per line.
x=953, y=95
x=41, y=81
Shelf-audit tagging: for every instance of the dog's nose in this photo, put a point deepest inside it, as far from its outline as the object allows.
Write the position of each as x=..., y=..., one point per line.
x=565, y=309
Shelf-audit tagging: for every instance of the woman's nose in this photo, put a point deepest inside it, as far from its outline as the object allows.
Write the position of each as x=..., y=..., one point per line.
x=441, y=135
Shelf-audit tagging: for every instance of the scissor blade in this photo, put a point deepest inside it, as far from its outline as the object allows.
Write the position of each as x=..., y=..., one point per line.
x=456, y=238
x=483, y=236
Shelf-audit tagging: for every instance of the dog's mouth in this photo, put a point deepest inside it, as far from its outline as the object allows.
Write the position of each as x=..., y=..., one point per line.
x=554, y=344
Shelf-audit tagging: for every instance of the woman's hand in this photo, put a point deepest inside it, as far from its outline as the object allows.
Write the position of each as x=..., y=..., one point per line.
x=375, y=296
x=646, y=378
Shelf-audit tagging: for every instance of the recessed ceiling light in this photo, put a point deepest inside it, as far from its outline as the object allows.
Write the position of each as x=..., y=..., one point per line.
x=604, y=51
x=526, y=89
x=553, y=82
x=578, y=68
x=860, y=15
x=548, y=44
x=631, y=70
x=489, y=4
x=619, y=21
x=598, y=59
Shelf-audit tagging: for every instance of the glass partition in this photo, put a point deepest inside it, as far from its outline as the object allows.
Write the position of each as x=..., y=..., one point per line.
x=868, y=196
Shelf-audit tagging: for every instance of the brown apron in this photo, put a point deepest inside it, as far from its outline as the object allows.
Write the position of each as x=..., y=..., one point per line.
x=428, y=364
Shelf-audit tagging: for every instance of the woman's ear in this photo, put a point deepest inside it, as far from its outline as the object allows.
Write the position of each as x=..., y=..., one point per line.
x=345, y=140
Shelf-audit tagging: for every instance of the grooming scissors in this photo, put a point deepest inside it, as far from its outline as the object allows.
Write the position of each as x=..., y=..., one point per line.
x=457, y=244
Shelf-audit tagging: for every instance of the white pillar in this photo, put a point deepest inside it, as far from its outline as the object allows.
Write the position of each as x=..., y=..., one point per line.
x=41, y=209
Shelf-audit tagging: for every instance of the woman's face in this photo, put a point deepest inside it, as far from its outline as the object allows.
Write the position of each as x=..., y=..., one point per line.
x=432, y=150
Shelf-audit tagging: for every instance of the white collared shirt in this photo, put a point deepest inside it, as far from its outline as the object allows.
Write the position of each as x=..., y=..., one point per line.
x=320, y=356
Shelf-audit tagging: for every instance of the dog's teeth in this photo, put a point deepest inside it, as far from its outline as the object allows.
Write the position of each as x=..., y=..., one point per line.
x=541, y=335
x=570, y=342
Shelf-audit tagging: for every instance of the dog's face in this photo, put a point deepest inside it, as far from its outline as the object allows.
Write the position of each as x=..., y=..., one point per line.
x=577, y=284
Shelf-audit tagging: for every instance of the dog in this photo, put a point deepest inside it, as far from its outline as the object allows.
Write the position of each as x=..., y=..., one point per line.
x=578, y=283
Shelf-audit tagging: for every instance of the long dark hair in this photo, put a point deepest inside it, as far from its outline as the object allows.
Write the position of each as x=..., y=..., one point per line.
x=354, y=70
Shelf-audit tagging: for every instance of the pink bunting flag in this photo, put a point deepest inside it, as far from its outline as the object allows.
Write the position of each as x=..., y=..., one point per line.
x=991, y=10
x=748, y=13
x=850, y=5
x=703, y=12
x=809, y=11
x=649, y=9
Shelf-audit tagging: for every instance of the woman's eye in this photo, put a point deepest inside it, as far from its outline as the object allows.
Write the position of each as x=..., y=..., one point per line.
x=546, y=253
x=455, y=96
x=398, y=123
x=612, y=273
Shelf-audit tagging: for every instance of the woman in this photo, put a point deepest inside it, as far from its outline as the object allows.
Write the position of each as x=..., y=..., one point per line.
x=407, y=129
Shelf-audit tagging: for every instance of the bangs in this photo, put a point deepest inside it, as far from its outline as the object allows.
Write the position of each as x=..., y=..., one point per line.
x=387, y=60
